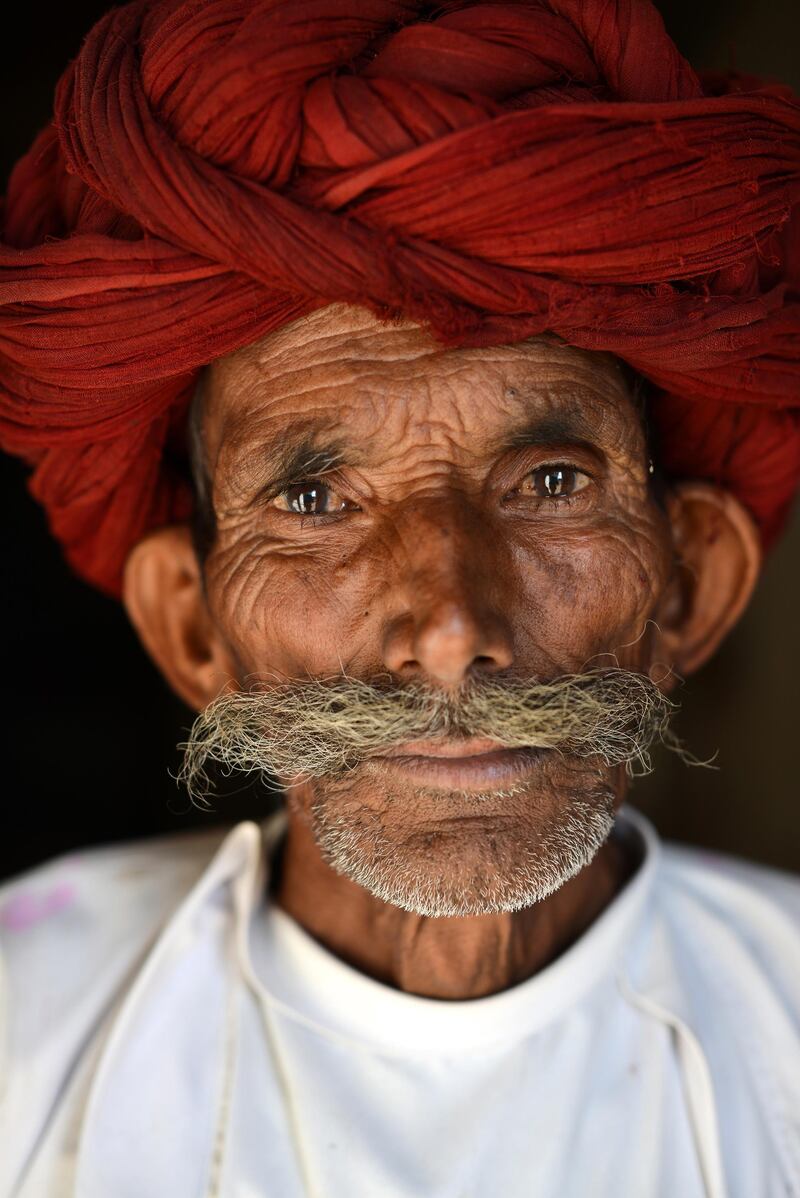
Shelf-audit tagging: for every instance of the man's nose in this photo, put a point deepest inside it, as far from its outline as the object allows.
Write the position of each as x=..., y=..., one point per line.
x=449, y=579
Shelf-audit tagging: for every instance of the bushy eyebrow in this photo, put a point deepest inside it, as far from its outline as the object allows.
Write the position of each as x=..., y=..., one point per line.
x=297, y=455
x=308, y=461
x=552, y=429
x=565, y=427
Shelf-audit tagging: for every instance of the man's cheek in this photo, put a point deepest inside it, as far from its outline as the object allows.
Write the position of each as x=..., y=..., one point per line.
x=588, y=595
x=287, y=613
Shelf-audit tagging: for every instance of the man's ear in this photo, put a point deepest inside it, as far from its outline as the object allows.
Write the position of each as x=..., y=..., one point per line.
x=163, y=595
x=717, y=562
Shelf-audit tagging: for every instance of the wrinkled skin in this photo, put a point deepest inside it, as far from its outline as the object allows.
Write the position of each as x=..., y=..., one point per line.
x=440, y=558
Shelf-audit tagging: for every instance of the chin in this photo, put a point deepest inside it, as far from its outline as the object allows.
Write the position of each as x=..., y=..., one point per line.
x=446, y=853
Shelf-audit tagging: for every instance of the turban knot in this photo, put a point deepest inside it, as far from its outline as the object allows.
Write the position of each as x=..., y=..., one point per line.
x=217, y=168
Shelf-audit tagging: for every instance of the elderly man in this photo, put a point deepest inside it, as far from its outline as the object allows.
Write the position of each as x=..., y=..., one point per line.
x=425, y=380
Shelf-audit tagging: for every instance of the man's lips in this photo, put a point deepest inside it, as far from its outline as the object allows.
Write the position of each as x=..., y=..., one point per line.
x=473, y=764
x=470, y=747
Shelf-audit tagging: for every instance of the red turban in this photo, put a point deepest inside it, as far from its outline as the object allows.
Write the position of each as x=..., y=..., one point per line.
x=216, y=168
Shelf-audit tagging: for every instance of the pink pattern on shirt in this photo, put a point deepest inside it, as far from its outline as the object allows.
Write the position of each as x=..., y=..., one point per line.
x=28, y=908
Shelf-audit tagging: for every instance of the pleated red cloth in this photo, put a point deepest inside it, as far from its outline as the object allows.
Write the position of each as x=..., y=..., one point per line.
x=216, y=168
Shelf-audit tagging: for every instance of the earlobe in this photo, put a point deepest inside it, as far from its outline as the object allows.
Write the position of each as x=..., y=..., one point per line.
x=717, y=563
x=163, y=595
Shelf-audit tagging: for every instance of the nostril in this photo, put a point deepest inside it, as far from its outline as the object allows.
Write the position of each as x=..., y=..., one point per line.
x=490, y=663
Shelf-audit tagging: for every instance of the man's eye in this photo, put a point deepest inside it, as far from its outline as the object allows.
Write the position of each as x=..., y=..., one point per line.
x=313, y=498
x=554, y=481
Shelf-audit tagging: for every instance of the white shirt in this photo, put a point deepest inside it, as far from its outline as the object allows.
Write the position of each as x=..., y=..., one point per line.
x=171, y=1035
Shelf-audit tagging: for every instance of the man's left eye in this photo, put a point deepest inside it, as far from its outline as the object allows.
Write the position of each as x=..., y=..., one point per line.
x=313, y=498
x=554, y=481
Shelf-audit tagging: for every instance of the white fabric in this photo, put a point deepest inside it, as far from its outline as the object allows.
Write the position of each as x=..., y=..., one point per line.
x=169, y=1035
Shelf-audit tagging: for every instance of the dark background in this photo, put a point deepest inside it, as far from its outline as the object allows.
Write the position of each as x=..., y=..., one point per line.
x=89, y=730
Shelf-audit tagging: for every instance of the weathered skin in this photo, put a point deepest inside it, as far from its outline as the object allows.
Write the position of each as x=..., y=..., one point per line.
x=439, y=559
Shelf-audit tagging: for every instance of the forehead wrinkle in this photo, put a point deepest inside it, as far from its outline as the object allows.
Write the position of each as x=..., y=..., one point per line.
x=357, y=377
x=380, y=347
x=343, y=326
x=332, y=352
x=404, y=347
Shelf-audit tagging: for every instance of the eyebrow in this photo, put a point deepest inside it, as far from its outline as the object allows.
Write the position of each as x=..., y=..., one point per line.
x=566, y=427
x=296, y=456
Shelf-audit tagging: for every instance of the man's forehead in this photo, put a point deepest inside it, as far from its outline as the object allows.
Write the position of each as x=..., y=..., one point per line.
x=341, y=366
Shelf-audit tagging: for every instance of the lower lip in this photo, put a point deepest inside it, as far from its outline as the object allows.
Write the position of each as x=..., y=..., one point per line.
x=495, y=770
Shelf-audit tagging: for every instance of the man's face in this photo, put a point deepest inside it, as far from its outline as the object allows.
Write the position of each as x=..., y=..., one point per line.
x=388, y=508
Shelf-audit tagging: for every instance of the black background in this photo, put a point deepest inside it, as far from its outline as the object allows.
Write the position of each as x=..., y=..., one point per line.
x=89, y=729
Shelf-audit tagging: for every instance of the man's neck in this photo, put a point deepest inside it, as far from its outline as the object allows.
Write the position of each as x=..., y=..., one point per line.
x=447, y=958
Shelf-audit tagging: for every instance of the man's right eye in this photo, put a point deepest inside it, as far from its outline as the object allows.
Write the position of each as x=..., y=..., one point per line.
x=313, y=498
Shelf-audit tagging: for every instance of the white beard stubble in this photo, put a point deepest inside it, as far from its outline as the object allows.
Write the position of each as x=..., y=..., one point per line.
x=566, y=840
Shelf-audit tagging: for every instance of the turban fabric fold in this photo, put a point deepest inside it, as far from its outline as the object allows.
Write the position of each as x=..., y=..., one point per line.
x=217, y=168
